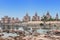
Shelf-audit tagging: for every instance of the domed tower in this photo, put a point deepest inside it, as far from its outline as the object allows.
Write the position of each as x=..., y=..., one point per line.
x=26, y=18
x=48, y=15
x=6, y=19
x=12, y=20
x=17, y=20
x=36, y=17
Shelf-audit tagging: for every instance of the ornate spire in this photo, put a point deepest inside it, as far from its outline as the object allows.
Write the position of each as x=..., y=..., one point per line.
x=26, y=14
x=57, y=16
x=47, y=13
x=35, y=13
x=26, y=18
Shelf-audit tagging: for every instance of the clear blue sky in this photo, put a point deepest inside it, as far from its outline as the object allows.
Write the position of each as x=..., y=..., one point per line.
x=18, y=8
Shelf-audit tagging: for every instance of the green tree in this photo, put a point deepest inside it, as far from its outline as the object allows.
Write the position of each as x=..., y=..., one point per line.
x=51, y=19
x=44, y=19
x=41, y=24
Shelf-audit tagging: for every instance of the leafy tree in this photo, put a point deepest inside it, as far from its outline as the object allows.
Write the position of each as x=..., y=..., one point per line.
x=51, y=19
x=41, y=24
x=44, y=18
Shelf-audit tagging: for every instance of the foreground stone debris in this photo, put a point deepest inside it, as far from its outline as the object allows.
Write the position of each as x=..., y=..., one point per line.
x=20, y=35
x=32, y=37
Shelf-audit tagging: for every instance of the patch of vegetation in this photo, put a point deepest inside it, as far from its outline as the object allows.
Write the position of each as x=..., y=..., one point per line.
x=41, y=24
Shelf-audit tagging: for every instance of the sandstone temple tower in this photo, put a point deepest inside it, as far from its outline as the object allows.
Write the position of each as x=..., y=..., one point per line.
x=48, y=15
x=36, y=17
x=26, y=18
